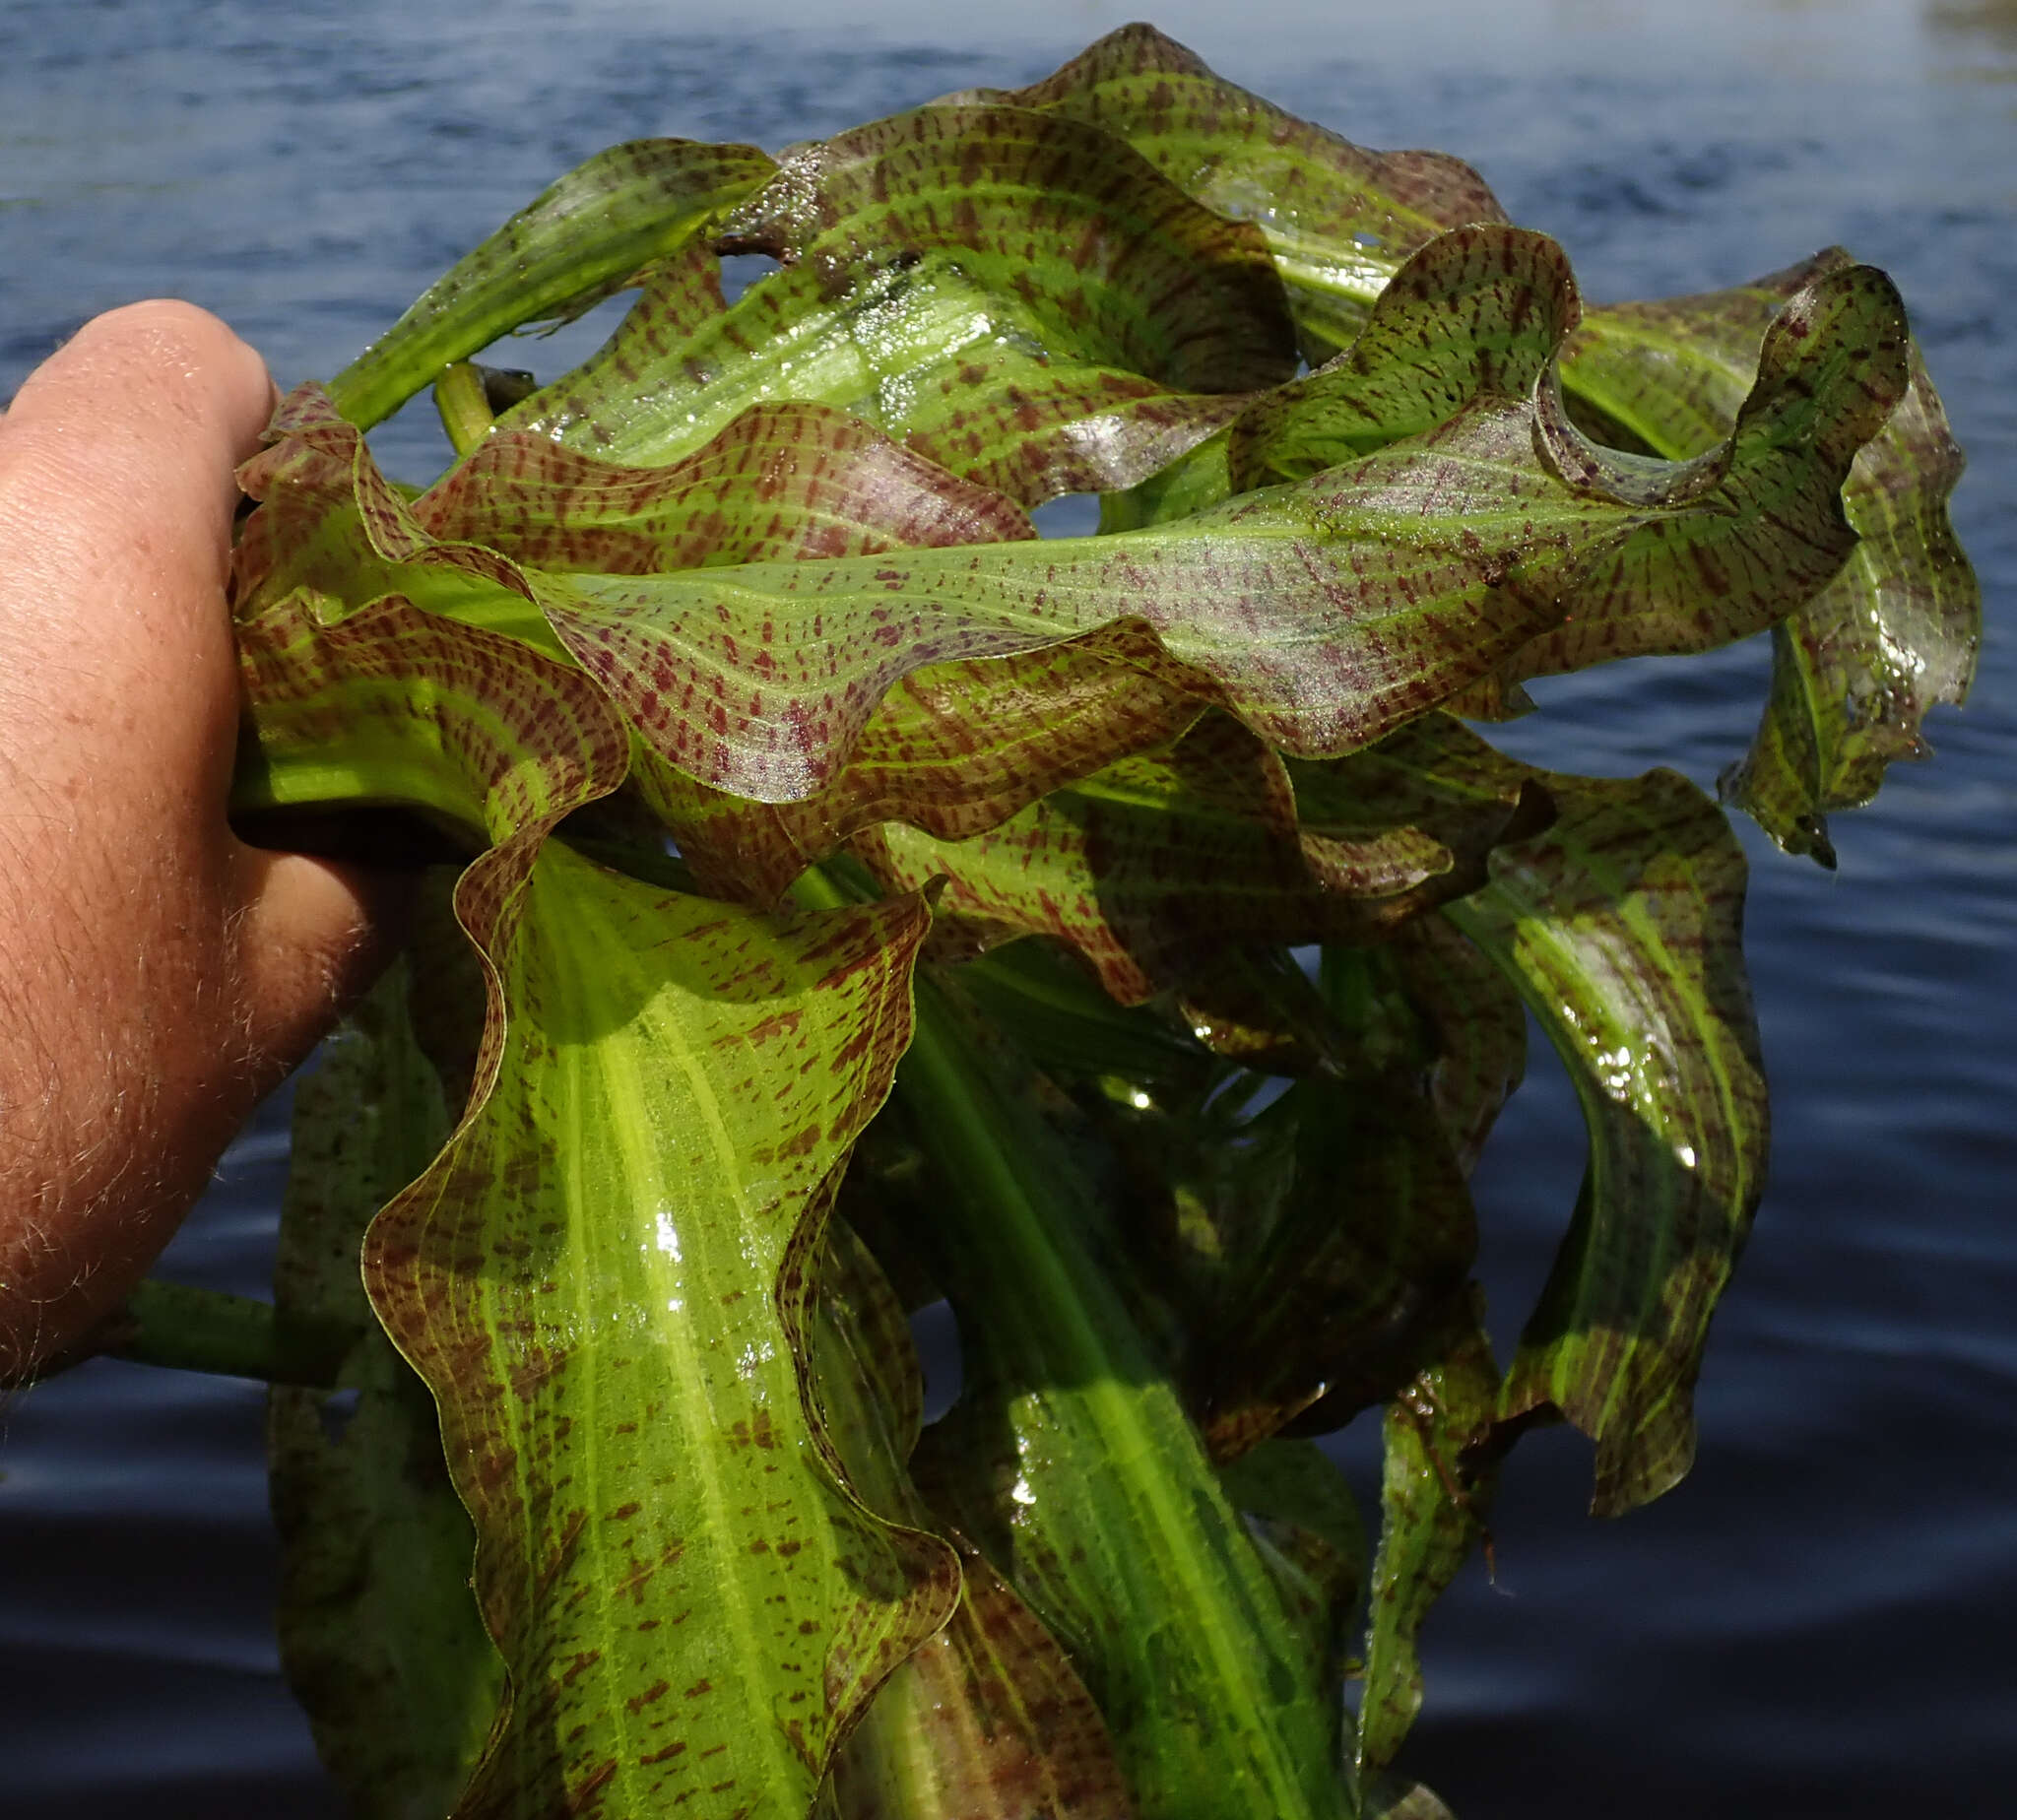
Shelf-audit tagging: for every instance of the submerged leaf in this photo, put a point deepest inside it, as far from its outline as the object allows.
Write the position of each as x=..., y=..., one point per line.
x=1856, y=670
x=615, y=1333
x=1620, y=927
x=583, y=239
x=1338, y=220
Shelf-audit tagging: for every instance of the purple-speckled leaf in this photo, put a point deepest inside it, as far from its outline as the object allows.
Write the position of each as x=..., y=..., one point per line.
x=395, y=706
x=1338, y=220
x=1477, y=1028
x=1156, y=867
x=1479, y=312
x=952, y=749
x=379, y=1637
x=1307, y=1526
x=1357, y=1234
x=1324, y=614
x=1014, y=295
x=1715, y=549
x=986, y=1720
x=603, y=1281
x=781, y=481
x=1070, y=1461
x=1855, y=672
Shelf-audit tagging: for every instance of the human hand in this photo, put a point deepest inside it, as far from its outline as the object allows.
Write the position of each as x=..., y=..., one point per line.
x=158, y=976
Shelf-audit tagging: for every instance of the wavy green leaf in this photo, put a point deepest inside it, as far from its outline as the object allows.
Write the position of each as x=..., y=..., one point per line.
x=332, y=536
x=379, y=1637
x=986, y=1722
x=586, y=236
x=1322, y=613
x=1855, y=672
x=1477, y=1028
x=1350, y=1234
x=781, y=481
x=1620, y=927
x=1478, y=312
x=603, y=1281
x=1684, y=578
x=1338, y=220
x=1163, y=868
x=1321, y=618
x=952, y=749
x=1150, y=864
x=396, y=706
x=1441, y=1469
x=1013, y=295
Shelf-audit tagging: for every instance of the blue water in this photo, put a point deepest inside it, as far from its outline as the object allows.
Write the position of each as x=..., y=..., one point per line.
x=1819, y=1621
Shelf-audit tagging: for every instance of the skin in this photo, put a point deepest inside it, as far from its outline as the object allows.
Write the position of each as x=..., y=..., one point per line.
x=158, y=976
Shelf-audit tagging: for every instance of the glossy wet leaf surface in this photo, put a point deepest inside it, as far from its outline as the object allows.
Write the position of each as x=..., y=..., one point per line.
x=587, y=236
x=1013, y=295
x=1434, y=1497
x=1072, y=1463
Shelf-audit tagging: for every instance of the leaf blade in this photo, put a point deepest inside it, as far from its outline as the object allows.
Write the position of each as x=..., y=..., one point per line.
x=738, y=1664
x=1620, y=928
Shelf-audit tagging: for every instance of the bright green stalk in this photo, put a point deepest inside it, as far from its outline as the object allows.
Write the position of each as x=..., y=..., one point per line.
x=1116, y=1529
x=233, y=1335
x=465, y=413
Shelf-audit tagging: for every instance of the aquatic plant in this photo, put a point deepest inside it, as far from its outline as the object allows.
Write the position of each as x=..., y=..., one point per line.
x=854, y=900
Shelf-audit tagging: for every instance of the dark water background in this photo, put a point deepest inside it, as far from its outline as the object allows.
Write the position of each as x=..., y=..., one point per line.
x=1821, y=1620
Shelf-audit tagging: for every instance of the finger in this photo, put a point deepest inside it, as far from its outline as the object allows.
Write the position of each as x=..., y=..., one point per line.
x=313, y=936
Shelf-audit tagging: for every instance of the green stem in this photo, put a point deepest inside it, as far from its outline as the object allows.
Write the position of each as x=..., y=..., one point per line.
x=230, y=1336
x=464, y=406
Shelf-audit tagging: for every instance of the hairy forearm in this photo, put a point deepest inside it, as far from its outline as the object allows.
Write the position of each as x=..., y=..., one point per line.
x=110, y=1096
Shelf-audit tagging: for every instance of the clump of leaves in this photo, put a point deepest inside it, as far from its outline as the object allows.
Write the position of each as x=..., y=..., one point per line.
x=859, y=901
